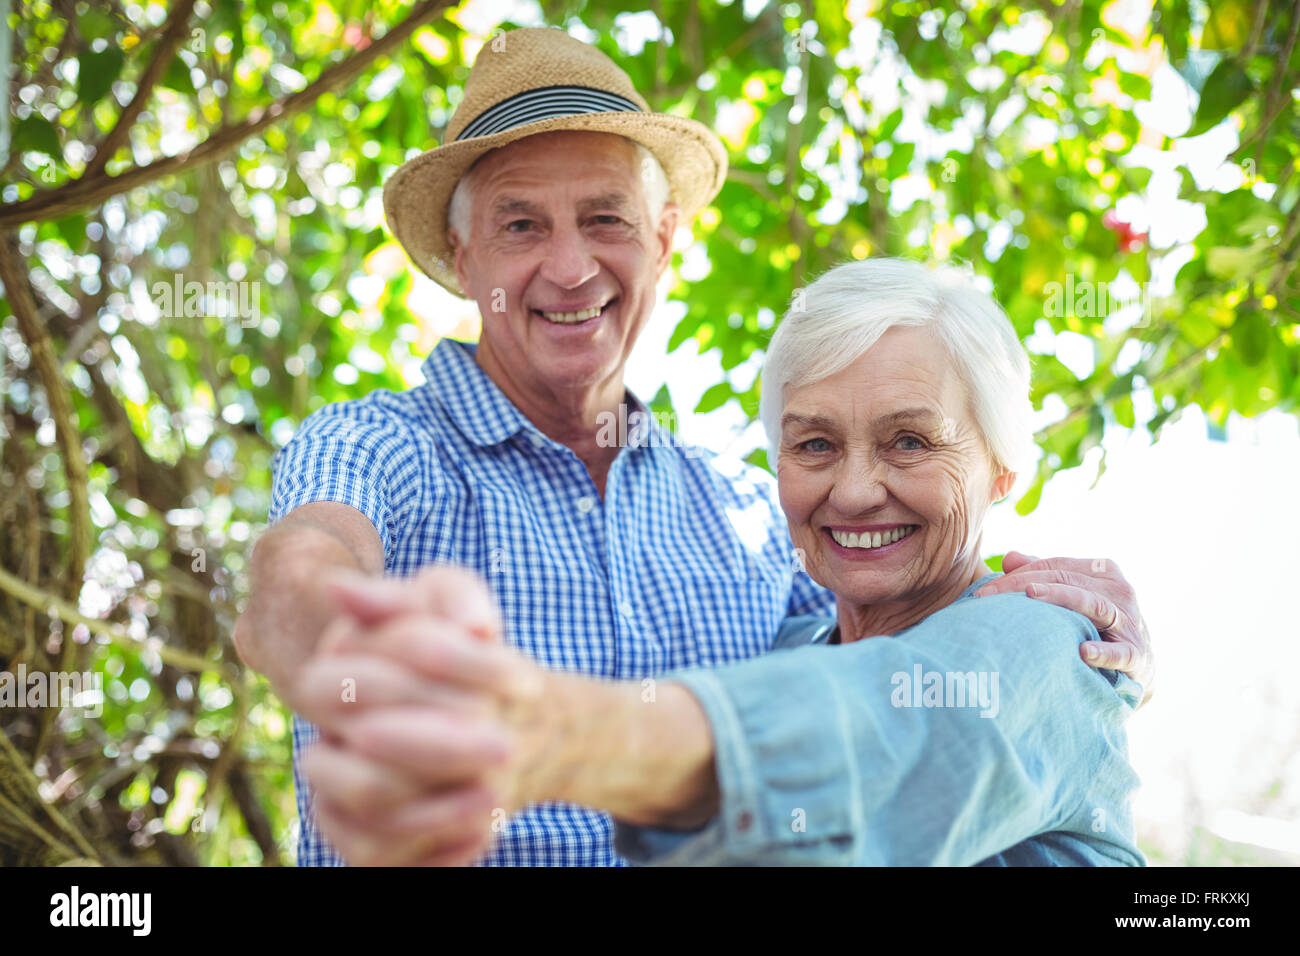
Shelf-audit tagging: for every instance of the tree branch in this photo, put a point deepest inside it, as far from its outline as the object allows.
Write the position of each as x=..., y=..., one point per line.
x=55, y=606
x=1086, y=408
x=51, y=811
x=88, y=191
x=1276, y=100
x=172, y=37
x=23, y=305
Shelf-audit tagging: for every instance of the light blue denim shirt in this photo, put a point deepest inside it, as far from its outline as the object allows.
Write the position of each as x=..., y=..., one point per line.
x=976, y=737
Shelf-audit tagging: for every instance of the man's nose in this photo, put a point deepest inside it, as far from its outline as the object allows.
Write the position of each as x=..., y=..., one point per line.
x=568, y=262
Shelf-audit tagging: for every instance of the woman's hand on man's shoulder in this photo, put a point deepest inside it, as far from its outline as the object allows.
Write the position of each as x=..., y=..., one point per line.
x=1097, y=589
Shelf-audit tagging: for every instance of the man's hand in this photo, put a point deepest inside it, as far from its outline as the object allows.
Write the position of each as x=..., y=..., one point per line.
x=381, y=804
x=456, y=730
x=1097, y=589
x=411, y=691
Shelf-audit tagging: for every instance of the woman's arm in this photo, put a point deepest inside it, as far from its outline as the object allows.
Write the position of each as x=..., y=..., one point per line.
x=641, y=751
x=816, y=755
x=964, y=736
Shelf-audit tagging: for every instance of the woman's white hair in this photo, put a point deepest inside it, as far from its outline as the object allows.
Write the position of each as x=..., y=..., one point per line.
x=654, y=183
x=833, y=322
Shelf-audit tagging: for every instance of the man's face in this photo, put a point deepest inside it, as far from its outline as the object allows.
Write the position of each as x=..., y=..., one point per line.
x=562, y=259
x=883, y=473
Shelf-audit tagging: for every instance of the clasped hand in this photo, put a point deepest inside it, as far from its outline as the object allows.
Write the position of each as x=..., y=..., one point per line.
x=425, y=718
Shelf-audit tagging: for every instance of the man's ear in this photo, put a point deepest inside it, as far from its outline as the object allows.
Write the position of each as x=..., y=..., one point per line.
x=458, y=254
x=1003, y=484
x=668, y=220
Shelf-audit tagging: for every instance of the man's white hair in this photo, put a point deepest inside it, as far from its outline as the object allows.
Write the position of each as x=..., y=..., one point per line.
x=654, y=183
x=833, y=322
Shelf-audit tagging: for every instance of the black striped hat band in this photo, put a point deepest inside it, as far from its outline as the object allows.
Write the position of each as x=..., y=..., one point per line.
x=532, y=106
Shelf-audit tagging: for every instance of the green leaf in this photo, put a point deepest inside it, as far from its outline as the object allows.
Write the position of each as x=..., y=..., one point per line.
x=1225, y=89
x=1101, y=470
x=1228, y=27
x=1030, y=501
x=96, y=73
x=37, y=134
x=661, y=406
x=1135, y=85
x=900, y=160
x=1124, y=412
x=889, y=125
x=716, y=396
x=686, y=328
x=73, y=230
x=1252, y=336
x=95, y=24
x=1234, y=262
x=227, y=17
x=374, y=114
x=177, y=76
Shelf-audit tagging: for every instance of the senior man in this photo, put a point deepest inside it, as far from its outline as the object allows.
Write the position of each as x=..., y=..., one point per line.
x=552, y=205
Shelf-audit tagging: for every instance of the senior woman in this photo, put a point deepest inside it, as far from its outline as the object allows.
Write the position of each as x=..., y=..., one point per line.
x=923, y=725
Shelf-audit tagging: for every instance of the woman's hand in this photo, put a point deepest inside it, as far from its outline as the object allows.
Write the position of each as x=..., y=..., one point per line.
x=428, y=724
x=1098, y=590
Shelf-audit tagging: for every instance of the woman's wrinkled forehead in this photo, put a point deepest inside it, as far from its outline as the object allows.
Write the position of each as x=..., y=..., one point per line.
x=905, y=376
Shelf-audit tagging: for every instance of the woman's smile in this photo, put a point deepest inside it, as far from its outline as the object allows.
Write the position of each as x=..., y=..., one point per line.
x=869, y=543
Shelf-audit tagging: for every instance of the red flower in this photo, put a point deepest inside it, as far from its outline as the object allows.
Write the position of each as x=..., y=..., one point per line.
x=355, y=37
x=1129, y=239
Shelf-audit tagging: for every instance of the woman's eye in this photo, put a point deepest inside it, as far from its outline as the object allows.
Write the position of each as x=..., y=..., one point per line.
x=909, y=443
x=815, y=445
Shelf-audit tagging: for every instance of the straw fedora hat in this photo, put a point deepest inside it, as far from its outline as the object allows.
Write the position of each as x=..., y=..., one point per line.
x=539, y=80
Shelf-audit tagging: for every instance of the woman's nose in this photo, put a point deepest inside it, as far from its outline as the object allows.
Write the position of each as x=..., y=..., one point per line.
x=568, y=263
x=859, y=485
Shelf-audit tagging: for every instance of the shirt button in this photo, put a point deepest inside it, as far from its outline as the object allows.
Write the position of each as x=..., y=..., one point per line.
x=586, y=503
x=625, y=609
x=537, y=440
x=743, y=821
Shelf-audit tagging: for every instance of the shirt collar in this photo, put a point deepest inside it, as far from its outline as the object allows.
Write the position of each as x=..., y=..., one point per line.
x=483, y=414
x=471, y=399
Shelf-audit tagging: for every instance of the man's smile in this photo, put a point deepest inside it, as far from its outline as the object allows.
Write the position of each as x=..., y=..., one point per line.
x=573, y=315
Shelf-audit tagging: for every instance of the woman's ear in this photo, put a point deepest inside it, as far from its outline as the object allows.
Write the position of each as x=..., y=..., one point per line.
x=1002, y=485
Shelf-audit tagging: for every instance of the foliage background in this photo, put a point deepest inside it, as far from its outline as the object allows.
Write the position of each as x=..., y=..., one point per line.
x=246, y=142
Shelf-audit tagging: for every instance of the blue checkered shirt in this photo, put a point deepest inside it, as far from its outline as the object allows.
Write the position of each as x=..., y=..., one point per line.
x=686, y=562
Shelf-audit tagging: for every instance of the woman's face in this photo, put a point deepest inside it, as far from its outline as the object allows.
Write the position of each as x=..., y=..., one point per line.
x=883, y=474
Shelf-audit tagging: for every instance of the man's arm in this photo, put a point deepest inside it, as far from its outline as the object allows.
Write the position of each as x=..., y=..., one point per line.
x=288, y=610
x=341, y=488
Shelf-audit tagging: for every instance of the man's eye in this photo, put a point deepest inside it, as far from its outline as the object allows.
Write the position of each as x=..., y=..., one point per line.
x=909, y=443
x=815, y=445
x=606, y=220
x=519, y=225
